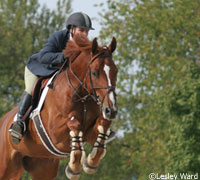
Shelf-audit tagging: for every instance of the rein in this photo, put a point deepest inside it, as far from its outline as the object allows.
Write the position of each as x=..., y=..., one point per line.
x=58, y=72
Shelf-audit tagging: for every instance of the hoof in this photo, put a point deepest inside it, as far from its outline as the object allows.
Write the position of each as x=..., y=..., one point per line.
x=89, y=169
x=71, y=175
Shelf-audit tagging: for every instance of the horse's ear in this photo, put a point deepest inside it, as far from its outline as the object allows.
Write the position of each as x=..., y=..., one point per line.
x=113, y=45
x=94, y=46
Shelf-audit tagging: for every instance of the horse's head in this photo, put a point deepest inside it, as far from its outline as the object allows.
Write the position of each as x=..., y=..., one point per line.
x=99, y=74
x=102, y=78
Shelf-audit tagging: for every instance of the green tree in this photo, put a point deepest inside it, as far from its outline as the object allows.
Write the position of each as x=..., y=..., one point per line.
x=158, y=42
x=25, y=27
x=184, y=107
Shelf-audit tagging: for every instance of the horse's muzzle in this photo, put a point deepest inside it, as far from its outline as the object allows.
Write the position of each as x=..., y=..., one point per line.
x=109, y=113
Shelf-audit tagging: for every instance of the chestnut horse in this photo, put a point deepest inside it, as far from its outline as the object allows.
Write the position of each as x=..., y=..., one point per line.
x=78, y=109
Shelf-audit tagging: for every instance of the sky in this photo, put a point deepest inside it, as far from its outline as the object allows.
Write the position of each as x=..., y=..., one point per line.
x=86, y=6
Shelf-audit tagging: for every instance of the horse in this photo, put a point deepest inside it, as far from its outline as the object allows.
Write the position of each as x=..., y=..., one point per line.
x=78, y=109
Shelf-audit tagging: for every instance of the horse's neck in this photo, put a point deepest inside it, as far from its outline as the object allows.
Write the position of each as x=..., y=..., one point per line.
x=80, y=65
x=59, y=104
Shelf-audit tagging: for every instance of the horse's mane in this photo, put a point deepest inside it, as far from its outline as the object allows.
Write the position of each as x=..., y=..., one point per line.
x=75, y=47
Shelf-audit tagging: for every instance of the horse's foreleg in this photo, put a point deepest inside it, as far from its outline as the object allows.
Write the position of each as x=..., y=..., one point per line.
x=77, y=155
x=99, y=148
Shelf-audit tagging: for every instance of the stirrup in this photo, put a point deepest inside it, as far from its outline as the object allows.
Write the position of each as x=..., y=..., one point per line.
x=16, y=131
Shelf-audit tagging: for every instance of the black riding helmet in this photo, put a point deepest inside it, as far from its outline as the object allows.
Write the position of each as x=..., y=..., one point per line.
x=79, y=19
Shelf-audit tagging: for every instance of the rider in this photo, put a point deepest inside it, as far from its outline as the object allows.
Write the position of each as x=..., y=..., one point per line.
x=45, y=63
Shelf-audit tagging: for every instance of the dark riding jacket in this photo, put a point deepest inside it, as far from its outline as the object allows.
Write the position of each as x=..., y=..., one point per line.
x=45, y=62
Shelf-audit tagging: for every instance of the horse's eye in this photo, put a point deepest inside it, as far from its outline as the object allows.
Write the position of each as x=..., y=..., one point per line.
x=95, y=73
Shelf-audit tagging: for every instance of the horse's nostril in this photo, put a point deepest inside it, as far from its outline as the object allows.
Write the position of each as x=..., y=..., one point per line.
x=108, y=111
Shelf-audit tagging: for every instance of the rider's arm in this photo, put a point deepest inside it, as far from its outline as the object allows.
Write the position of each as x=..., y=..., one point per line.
x=50, y=53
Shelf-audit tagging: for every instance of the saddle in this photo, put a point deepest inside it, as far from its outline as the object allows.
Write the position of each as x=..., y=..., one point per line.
x=37, y=91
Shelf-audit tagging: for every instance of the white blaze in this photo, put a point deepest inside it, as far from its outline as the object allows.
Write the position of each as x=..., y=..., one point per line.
x=111, y=94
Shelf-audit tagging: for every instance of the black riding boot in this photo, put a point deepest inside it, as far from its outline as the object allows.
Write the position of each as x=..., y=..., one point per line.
x=17, y=129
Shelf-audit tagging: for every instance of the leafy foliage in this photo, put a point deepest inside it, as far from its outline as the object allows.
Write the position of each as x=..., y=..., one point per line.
x=158, y=48
x=25, y=27
x=184, y=105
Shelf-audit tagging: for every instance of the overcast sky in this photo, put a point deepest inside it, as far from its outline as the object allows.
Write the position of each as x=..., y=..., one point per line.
x=86, y=6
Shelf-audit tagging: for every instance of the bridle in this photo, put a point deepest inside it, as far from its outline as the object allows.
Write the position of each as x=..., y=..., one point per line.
x=92, y=95
x=109, y=88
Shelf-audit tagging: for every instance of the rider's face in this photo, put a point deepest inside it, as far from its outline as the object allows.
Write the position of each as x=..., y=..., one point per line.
x=81, y=31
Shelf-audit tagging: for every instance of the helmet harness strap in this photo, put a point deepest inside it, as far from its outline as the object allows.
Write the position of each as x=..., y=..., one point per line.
x=72, y=30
